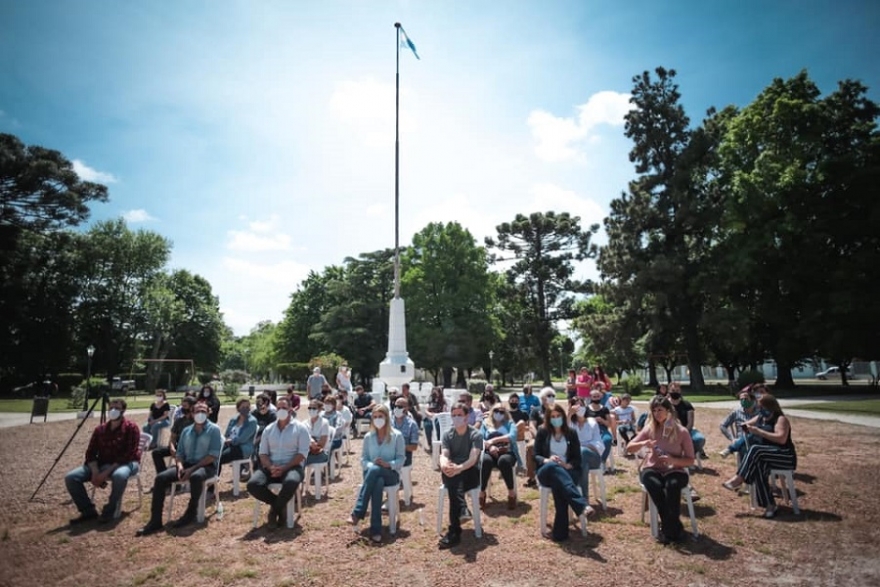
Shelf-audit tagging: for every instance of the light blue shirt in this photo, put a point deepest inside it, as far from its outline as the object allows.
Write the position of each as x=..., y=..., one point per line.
x=193, y=446
x=408, y=428
x=282, y=445
x=392, y=451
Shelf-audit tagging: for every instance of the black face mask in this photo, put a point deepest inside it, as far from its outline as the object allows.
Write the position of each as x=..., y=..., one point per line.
x=674, y=396
x=514, y=406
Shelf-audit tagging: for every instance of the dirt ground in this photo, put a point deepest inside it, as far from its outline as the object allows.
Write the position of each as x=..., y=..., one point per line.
x=834, y=541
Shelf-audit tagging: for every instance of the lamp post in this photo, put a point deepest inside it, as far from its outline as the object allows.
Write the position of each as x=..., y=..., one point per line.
x=491, y=354
x=90, y=350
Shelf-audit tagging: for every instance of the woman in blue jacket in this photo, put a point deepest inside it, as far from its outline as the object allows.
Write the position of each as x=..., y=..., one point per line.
x=238, y=443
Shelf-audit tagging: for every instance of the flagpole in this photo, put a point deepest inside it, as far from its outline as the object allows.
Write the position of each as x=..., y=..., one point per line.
x=397, y=165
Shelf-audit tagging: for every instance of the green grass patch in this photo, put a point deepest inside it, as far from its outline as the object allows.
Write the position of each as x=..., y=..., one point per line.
x=59, y=404
x=151, y=576
x=870, y=407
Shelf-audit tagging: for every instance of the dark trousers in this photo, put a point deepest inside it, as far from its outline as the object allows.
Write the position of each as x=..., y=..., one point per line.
x=665, y=492
x=457, y=487
x=230, y=453
x=159, y=456
x=163, y=482
x=260, y=480
x=505, y=464
x=755, y=468
x=563, y=484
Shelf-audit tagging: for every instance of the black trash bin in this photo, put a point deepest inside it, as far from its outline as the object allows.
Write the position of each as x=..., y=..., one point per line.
x=251, y=391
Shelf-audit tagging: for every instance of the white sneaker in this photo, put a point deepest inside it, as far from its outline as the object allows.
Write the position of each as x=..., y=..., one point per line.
x=724, y=453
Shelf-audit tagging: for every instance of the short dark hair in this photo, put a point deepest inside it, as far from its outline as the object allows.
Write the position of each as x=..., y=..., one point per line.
x=120, y=400
x=460, y=406
x=243, y=400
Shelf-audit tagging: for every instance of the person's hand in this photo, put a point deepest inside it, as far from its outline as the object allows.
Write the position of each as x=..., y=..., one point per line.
x=556, y=459
x=184, y=475
x=381, y=462
x=99, y=479
x=650, y=444
x=276, y=471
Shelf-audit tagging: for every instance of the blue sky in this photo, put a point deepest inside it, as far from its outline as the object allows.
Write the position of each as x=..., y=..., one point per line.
x=258, y=136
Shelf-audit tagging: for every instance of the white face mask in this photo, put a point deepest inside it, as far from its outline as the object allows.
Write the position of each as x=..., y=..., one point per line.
x=114, y=414
x=159, y=399
x=200, y=417
x=581, y=411
x=328, y=408
x=379, y=423
x=498, y=417
x=206, y=394
x=282, y=414
x=458, y=421
x=398, y=412
x=313, y=413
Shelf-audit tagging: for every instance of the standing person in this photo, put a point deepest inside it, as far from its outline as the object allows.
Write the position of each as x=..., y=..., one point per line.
x=598, y=374
x=436, y=405
x=315, y=383
x=499, y=438
x=381, y=460
x=283, y=450
x=772, y=449
x=664, y=471
x=160, y=417
x=209, y=397
x=113, y=455
x=343, y=379
x=462, y=445
x=685, y=412
x=558, y=456
x=238, y=443
x=198, y=453
x=584, y=383
x=571, y=384
x=160, y=454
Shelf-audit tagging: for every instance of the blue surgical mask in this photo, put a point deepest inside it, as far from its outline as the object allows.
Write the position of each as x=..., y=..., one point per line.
x=556, y=421
x=765, y=413
x=458, y=421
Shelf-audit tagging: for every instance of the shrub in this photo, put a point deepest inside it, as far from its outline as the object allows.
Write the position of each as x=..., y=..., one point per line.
x=232, y=379
x=67, y=381
x=632, y=385
x=749, y=377
x=294, y=372
x=476, y=386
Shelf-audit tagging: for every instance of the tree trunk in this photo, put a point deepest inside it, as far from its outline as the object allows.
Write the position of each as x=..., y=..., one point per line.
x=695, y=356
x=784, y=379
x=461, y=380
x=447, y=377
x=652, y=374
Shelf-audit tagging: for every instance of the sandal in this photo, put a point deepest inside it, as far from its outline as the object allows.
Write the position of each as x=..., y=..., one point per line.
x=731, y=484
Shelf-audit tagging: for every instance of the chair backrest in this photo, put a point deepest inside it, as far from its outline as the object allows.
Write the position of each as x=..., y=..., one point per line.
x=378, y=392
x=144, y=443
x=451, y=395
x=443, y=421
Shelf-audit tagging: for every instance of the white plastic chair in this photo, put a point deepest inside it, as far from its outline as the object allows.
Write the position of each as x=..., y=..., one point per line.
x=320, y=473
x=391, y=503
x=143, y=443
x=789, y=492
x=183, y=486
x=236, y=468
x=294, y=506
x=407, y=484
x=474, y=494
x=544, y=506
x=443, y=422
x=598, y=478
x=379, y=393
x=649, y=504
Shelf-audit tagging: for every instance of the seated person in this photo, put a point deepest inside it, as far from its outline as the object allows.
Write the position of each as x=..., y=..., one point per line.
x=178, y=411
x=528, y=401
x=283, y=450
x=264, y=414
x=334, y=420
x=519, y=418
x=772, y=448
x=319, y=430
x=403, y=422
x=238, y=443
x=363, y=405
x=381, y=460
x=596, y=410
x=475, y=415
x=209, y=396
x=488, y=399
x=499, y=442
x=344, y=416
x=459, y=473
x=558, y=457
x=670, y=452
x=536, y=420
x=731, y=426
x=625, y=415
x=412, y=403
x=114, y=455
x=293, y=399
x=590, y=439
x=436, y=405
x=685, y=412
x=160, y=417
x=198, y=453
x=160, y=454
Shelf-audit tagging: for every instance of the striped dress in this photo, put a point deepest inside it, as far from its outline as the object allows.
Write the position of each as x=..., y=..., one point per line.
x=761, y=458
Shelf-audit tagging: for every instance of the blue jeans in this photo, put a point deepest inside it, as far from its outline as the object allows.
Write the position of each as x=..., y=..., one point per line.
x=428, y=425
x=154, y=428
x=76, y=479
x=376, y=478
x=561, y=483
x=698, y=439
x=589, y=460
x=606, y=440
x=321, y=457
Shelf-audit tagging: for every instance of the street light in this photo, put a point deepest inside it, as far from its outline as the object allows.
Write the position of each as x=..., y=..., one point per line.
x=491, y=354
x=90, y=350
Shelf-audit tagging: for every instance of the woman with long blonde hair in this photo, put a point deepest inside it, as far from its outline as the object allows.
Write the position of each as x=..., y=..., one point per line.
x=670, y=452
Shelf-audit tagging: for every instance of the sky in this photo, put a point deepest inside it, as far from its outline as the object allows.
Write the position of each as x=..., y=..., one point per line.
x=258, y=136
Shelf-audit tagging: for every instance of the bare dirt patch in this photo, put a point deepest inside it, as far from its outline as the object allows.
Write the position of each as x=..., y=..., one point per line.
x=835, y=540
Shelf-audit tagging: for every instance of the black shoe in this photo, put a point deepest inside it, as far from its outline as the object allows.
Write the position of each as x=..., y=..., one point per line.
x=531, y=483
x=84, y=517
x=185, y=520
x=106, y=516
x=614, y=442
x=703, y=455
x=150, y=528
x=466, y=514
x=449, y=540
x=662, y=539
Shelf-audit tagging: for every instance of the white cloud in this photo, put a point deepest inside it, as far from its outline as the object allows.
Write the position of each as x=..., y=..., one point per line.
x=265, y=225
x=138, y=215
x=548, y=196
x=248, y=241
x=559, y=139
x=87, y=173
x=286, y=274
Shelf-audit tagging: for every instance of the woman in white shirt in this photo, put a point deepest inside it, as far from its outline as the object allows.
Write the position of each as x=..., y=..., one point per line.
x=590, y=438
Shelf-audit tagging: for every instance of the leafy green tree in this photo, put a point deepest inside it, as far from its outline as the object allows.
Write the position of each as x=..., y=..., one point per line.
x=447, y=288
x=307, y=305
x=543, y=247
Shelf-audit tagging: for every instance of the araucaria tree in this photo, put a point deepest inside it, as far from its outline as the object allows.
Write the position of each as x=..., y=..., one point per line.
x=543, y=248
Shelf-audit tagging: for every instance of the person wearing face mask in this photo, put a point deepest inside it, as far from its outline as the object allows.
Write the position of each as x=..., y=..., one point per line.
x=773, y=449
x=344, y=416
x=536, y=421
x=590, y=440
x=319, y=430
x=382, y=458
x=528, y=400
x=404, y=423
x=685, y=412
x=238, y=443
x=197, y=457
x=412, y=403
x=436, y=405
x=602, y=415
x=731, y=426
x=284, y=447
x=363, y=406
x=670, y=452
x=459, y=456
x=209, y=397
x=334, y=421
x=159, y=418
x=160, y=454
x=499, y=440
x=558, y=456
x=113, y=455
x=475, y=415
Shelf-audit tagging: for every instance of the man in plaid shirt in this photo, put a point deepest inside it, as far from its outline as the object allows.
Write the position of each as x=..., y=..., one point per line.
x=113, y=455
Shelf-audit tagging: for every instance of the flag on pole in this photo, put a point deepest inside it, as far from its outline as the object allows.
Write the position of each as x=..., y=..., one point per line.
x=406, y=43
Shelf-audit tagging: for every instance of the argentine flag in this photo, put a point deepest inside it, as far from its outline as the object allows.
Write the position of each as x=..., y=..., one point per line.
x=406, y=43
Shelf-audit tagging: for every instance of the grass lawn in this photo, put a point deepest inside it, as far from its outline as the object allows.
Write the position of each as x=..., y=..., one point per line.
x=60, y=404
x=862, y=406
